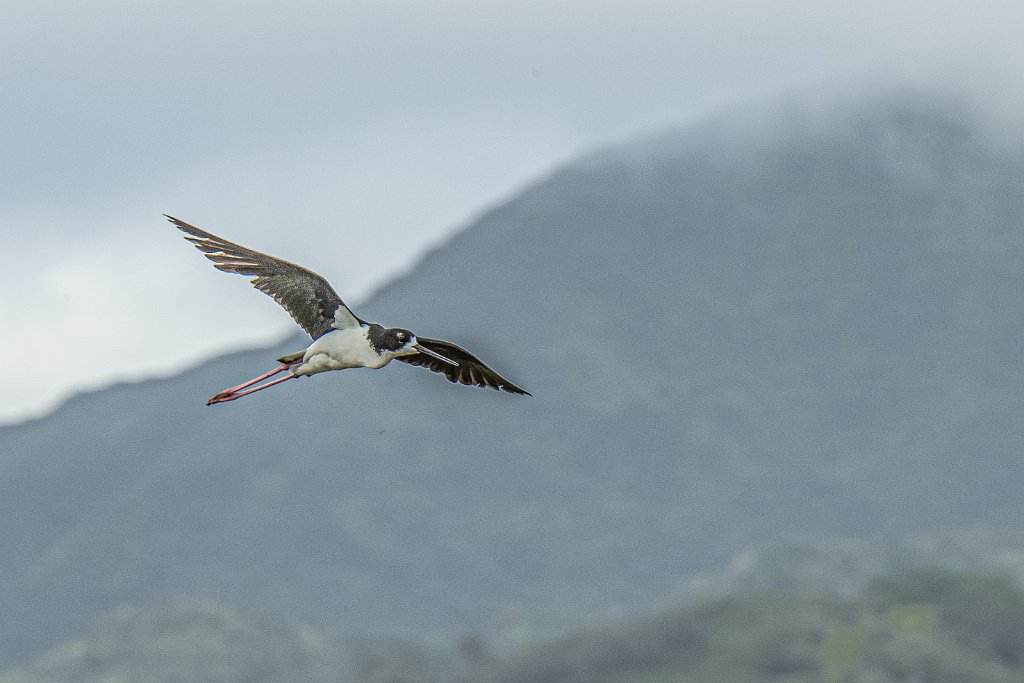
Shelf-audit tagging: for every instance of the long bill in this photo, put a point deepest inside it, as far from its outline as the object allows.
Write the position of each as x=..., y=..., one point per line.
x=435, y=354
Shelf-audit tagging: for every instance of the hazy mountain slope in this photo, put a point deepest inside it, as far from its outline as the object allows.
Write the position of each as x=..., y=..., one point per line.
x=732, y=331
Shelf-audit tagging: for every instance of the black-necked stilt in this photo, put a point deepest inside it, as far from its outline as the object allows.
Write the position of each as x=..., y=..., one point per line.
x=340, y=339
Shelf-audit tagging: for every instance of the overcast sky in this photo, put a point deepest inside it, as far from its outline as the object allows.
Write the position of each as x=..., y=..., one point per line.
x=350, y=136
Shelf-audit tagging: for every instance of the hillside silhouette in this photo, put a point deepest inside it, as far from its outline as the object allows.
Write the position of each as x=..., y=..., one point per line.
x=785, y=319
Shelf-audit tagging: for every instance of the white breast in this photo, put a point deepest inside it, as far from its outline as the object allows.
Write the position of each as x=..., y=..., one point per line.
x=341, y=349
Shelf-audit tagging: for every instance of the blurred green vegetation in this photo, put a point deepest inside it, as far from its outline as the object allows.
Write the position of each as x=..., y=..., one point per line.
x=198, y=640
x=927, y=624
x=932, y=625
x=187, y=640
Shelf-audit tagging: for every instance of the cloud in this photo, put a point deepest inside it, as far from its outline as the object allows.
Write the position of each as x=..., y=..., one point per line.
x=93, y=317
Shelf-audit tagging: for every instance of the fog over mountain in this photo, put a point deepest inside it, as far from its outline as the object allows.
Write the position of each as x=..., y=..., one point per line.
x=732, y=331
x=323, y=127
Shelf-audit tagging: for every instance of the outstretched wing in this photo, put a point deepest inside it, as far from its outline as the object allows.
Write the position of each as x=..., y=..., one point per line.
x=470, y=369
x=307, y=297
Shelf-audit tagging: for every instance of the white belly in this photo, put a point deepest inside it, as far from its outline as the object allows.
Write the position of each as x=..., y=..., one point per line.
x=338, y=350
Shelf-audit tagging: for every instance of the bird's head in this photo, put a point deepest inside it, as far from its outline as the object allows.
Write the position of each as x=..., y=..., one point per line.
x=399, y=342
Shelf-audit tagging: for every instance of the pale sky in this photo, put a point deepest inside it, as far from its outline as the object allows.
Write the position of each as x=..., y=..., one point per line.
x=350, y=136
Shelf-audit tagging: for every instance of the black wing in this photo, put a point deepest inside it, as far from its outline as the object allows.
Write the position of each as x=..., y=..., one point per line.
x=310, y=300
x=469, y=371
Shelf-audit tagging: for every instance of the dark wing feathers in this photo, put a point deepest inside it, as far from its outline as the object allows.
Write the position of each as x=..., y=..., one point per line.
x=307, y=297
x=470, y=370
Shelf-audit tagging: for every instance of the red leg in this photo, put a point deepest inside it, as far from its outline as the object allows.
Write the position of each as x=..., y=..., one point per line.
x=243, y=385
x=231, y=395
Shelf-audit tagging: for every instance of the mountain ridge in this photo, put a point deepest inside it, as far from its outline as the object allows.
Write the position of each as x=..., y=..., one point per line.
x=817, y=334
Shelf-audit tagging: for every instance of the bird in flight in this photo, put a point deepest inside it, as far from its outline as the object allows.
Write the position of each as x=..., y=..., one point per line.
x=340, y=339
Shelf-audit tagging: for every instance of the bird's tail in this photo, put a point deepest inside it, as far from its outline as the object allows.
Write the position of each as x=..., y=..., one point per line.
x=292, y=357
